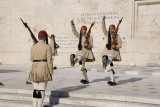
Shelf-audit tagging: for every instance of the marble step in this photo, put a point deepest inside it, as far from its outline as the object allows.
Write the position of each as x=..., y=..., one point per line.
x=64, y=105
x=13, y=103
x=54, y=96
x=154, y=63
x=121, y=98
x=133, y=72
x=57, y=97
x=17, y=100
x=102, y=103
x=19, y=97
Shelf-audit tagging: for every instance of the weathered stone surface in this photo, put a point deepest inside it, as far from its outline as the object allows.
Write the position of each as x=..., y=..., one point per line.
x=133, y=89
x=153, y=63
x=139, y=30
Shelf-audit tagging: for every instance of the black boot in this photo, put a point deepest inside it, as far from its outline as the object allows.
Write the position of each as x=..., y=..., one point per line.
x=110, y=83
x=27, y=82
x=84, y=81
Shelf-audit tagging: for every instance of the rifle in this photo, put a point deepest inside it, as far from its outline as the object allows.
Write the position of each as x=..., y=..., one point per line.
x=88, y=34
x=57, y=46
x=80, y=40
x=32, y=35
x=116, y=32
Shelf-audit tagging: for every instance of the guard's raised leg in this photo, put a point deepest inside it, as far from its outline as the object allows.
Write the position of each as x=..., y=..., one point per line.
x=84, y=71
x=110, y=72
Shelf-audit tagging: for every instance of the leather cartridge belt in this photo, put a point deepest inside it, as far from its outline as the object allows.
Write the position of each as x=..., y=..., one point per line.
x=39, y=60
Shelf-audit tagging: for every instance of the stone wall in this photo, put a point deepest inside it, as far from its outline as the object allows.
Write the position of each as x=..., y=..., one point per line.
x=140, y=29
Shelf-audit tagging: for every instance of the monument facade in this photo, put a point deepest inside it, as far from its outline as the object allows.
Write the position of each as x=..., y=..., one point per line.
x=139, y=30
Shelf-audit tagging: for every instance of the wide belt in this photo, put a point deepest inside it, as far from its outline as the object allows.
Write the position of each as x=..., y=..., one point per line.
x=39, y=60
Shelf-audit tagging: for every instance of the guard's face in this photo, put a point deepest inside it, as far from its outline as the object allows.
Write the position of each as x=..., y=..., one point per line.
x=111, y=29
x=83, y=31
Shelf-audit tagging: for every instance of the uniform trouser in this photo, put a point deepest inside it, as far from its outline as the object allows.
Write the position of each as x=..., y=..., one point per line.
x=38, y=102
x=53, y=58
x=83, y=59
x=109, y=68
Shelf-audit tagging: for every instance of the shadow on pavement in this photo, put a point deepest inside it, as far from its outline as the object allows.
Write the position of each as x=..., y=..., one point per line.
x=9, y=71
x=131, y=80
x=62, y=93
x=103, y=79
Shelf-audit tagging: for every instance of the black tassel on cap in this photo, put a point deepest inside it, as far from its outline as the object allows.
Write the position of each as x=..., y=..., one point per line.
x=46, y=39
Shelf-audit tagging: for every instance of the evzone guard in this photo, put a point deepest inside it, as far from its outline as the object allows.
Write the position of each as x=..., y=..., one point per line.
x=111, y=51
x=42, y=66
x=84, y=53
x=54, y=47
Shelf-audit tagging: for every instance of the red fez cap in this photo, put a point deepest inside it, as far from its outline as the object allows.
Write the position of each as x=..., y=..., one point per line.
x=112, y=26
x=84, y=27
x=52, y=35
x=42, y=32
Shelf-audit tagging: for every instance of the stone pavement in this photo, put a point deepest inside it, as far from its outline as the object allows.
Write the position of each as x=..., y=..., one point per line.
x=135, y=82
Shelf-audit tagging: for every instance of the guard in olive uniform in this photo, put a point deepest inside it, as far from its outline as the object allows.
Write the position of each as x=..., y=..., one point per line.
x=83, y=55
x=110, y=52
x=42, y=68
x=54, y=47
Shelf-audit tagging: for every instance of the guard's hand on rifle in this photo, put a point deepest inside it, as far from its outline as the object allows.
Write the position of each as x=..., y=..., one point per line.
x=103, y=18
x=72, y=22
x=25, y=24
x=113, y=46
